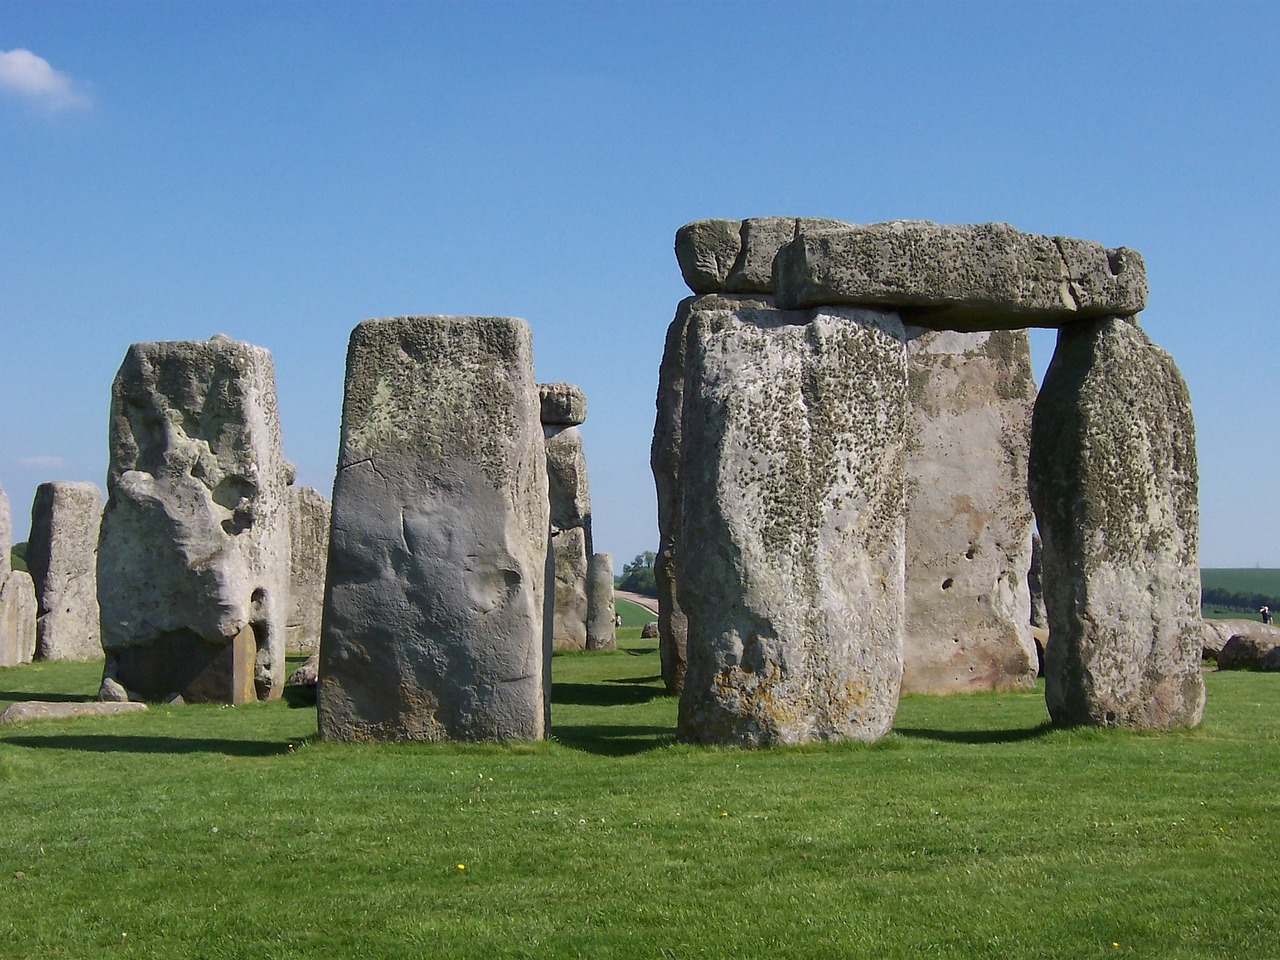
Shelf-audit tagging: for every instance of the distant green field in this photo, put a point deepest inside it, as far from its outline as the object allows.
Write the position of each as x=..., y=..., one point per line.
x=1251, y=582
x=633, y=615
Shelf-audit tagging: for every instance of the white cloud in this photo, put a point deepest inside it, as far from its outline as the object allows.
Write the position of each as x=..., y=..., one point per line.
x=32, y=78
x=42, y=463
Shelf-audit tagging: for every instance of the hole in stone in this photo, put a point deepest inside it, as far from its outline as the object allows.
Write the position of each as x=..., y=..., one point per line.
x=946, y=584
x=971, y=552
x=1116, y=262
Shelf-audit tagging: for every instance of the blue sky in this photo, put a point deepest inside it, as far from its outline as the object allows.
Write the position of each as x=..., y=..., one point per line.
x=279, y=172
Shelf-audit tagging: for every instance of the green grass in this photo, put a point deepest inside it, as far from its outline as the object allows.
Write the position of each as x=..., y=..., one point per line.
x=633, y=615
x=973, y=830
x=1242, y=579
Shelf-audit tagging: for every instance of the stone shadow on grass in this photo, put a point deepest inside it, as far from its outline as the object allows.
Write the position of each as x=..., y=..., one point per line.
x=117, y=743
x=17, y=696
x=610, y=693
x=612, y=740
x=976, y=736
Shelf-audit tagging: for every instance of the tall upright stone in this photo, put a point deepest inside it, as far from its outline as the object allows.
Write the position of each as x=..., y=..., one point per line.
x=17, y=600
x=434, y=607
x=1113, y=479
x=969, y=520
x=62, y=555
x=563, y=408
x=308, y=556
x=600, y=603
x=664, y=459
x=792, y=530
x=193, y=558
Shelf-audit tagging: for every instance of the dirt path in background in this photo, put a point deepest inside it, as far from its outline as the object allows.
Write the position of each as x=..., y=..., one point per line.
x=639, y=599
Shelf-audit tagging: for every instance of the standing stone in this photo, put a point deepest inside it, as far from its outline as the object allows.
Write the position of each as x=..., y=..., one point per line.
x=17, y=600
x=664, y=459
x=563, y=406
x=308, y=556
x=62, y=555
x=1113, y=480
x=791, y=545
x=193, y=558
x=600, y=625
x=1035, y=583
x=969, y=520
x=434, y=607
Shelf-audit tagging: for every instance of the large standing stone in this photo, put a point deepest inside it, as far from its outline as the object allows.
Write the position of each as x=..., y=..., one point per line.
x=1113, y=480
x=308, y=556
x=62, y=555
x=17, y=600
x=193, y=559
x=563, y=407
x=434, y=607
x=969, y=521
x=969, y=277
x=791, y=545
x=600, y=625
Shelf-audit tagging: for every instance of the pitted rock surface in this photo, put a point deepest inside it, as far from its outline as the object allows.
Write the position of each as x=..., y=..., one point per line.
x=434, y=608
x=600, y=605
x=791, y=543
x=62, y=555
x=736, y=256
x=570, y=497
x=193, y=558
x=982, y=276
x=308, y=557
x=969, y=520
x=562, y=404
x=1113, y=479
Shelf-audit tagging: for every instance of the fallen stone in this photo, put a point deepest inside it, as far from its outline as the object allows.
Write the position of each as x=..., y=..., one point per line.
x=969, y=520
x=600, y=606
x=27, y=710
x=562, y=404
x=791, y=545
x=112, y=692
x=967, y=277
x=1247, y=651
x=1113, y=479
x=308, y=557
x=193, y=559
x=440, y=514
x=62, y=555
x=307, y=674
x=1215, y=633
x=649, y=631
x=1271, y=662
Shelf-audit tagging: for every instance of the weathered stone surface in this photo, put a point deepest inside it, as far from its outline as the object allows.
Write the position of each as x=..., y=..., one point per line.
x=1246, y=651
x=1215, y=633
x=969, y=520
x=791, y=546
x=26, y=710
x=967, y=277
x=110, y=691
x=307, y=674
x=62, y=555
x=1271, y=662
x=308, y=557
x=600, y=626
x=17, y=600
x=664, y=459
x=562, y=404
x=1113, y=479
x=570, y=498
x=193, y=558
x=649, y=631
x=1035, y=583
x=736, y=256
x=434, y=608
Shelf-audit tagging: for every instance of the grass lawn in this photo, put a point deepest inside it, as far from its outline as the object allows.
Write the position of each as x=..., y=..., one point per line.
x=973, y=830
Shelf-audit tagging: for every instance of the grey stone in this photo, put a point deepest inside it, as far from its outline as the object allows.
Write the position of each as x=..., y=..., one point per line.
x=969, y=520
x=434, y=609
x=649, y=631
x=791, y=545
x=1113, y=480
x=1247, y=651
x=706, y=251
x=1215, y=633
x=308, y=557
x=736, y=256
x=562, y=404
x=17, y=600
x=62, y=555
x=600, y=626
x=112, y=692
x=968, y=277
x=570, y=498
x=307, y=674
x=1035, y=583
x=27, y=710
x=193, y=558
x=1271, y=662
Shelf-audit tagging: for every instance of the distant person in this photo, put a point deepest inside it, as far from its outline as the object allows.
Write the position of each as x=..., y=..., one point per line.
x=1266, y=613
x=617, y=619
